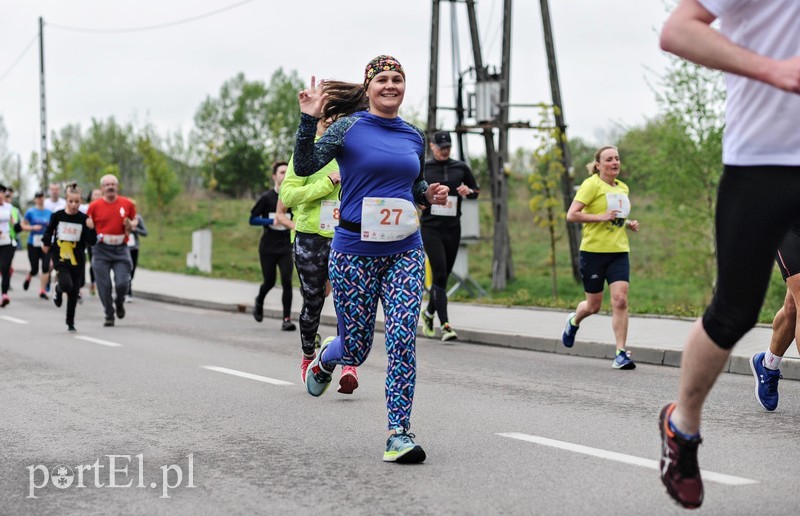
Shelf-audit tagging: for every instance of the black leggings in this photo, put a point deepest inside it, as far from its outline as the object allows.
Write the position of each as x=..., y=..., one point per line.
x=69, y=283
x=37, y=256
x=268, y=264
x=311, y=254
x=6, y=257
x=756, y=207
x=134, y=261
x=441, y=246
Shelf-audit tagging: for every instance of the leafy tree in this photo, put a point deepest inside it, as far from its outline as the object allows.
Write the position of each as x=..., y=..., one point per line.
x=162, y=185
x=65, y=145
x=677, y=157
x=544, y=181
x=251, y=119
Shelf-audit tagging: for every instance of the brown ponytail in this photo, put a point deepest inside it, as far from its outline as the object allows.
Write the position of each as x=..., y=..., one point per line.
x=344, y=98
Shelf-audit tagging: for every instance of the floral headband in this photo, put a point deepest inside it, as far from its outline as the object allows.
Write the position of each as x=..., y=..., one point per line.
x=381, y=64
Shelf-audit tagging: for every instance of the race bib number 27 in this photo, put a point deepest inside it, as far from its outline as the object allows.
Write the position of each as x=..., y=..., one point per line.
x=387, y=219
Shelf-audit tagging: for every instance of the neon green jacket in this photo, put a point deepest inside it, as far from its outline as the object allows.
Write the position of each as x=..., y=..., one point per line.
x=305, y=194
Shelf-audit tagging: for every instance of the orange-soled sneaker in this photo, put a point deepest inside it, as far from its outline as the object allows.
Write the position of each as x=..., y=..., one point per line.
x=680, y=473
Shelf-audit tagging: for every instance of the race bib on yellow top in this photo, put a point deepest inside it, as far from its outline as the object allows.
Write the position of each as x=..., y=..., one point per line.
x=448, y=210
x=620, y=202
x=37, y=240
x=387, y=219
x=69, y=231
x=131, y=240
x=329, y=214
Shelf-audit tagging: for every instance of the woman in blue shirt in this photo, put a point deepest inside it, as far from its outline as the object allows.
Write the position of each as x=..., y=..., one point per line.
x=377, y=249
x=35, y=221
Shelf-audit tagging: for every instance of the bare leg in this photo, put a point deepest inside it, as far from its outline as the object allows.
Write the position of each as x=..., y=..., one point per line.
x=784, y=326
x=589, y=307
x=701, y=364
x=619, y=312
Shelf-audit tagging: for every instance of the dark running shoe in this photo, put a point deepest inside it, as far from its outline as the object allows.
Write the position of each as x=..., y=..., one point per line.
x=43, y=295
x=258, y=311
x=119, y=304
x=108, y=322
x=766, y=382
x=71, y=328
x=58, y=298
x=288, y=325
x=680, y=473
x=401, y=448
x=27, y=282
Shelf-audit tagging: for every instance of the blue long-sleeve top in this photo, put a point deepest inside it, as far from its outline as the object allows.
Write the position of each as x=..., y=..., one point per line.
x=377, y=157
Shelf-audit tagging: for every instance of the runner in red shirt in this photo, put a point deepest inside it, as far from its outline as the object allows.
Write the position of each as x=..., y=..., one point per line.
x=113, y=217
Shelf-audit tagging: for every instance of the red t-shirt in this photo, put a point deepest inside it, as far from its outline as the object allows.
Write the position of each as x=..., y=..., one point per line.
x=109, y=219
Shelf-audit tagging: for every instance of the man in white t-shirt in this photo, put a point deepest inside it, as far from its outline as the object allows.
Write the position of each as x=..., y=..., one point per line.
x=758, y=47
x=55, y=202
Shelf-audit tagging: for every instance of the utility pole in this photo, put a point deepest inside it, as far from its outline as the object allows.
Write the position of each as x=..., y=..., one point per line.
x=433, y=75
x=567, y=182
x=42, y=107
x=502, y=264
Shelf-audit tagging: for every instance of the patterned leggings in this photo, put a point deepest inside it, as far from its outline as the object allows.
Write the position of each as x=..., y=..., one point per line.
x=358, y=283
x=311, y=259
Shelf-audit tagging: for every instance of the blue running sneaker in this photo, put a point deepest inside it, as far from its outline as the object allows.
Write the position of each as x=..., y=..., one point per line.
x=623, y=360
x=317, y=378
x=568, y=337
x=766, y=382
x=401, y=448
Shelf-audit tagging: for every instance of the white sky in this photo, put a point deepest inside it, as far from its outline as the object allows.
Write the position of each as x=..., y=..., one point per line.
x=604, y=50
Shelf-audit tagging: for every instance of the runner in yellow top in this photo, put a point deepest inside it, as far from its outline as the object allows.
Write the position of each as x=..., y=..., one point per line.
x=602, y=206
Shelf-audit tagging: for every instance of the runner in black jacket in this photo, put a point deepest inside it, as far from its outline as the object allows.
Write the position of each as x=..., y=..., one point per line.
x=441, y=228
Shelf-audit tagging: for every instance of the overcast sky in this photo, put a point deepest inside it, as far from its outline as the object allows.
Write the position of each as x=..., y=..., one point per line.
x=604, y=50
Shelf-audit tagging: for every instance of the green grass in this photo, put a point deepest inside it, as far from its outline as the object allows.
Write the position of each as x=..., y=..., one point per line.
x=665, y=276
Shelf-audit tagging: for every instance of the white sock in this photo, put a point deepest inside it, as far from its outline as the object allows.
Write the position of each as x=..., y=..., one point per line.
x=772, y=361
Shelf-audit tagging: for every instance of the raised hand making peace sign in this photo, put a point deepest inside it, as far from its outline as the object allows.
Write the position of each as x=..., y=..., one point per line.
x=312, y=99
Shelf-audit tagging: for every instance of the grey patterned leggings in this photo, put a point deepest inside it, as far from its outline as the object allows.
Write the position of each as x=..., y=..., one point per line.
x=311, y=259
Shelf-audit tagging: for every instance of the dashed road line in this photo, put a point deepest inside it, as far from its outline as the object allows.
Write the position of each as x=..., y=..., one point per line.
x=99, y=341
x=711, y=476
x=13, y=319
x=249, y=376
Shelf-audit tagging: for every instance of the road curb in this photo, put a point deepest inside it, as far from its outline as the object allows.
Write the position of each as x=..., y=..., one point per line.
x=790, y=369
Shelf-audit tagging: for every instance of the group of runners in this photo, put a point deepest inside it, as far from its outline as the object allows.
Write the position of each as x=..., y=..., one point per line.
x=358, y=162
x=62, y=230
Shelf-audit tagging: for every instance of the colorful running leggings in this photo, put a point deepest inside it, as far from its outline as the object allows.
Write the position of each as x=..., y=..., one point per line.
x=756, y=207
x=311, y=253
x=358, y=283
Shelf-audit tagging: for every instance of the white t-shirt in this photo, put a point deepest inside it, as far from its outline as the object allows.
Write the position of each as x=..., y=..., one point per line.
x=54, y=206
x=761, y=121
x=5, y=224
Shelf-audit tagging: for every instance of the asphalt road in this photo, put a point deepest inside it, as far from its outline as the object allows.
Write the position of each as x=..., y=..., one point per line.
x=265, y=446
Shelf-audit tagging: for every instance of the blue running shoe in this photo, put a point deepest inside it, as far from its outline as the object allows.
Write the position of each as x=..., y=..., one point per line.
x=317, y=378
x=568, y=337
x=623, y=360
x=766, y=382
x=400, y=448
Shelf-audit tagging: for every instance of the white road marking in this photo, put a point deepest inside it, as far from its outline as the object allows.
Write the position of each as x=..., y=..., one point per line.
x=99, y=341
x=711, y=476
x=249, y=376
x=13, y=319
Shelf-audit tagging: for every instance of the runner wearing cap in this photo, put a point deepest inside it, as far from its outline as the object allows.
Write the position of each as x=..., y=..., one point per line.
x=441, y=228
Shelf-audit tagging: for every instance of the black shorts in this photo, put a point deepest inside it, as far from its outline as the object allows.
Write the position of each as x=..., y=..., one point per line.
x=597, y=268
x=788, y=256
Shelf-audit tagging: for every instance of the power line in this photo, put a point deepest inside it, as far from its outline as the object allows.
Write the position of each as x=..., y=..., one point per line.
x=22, y=54
x=150, y=27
